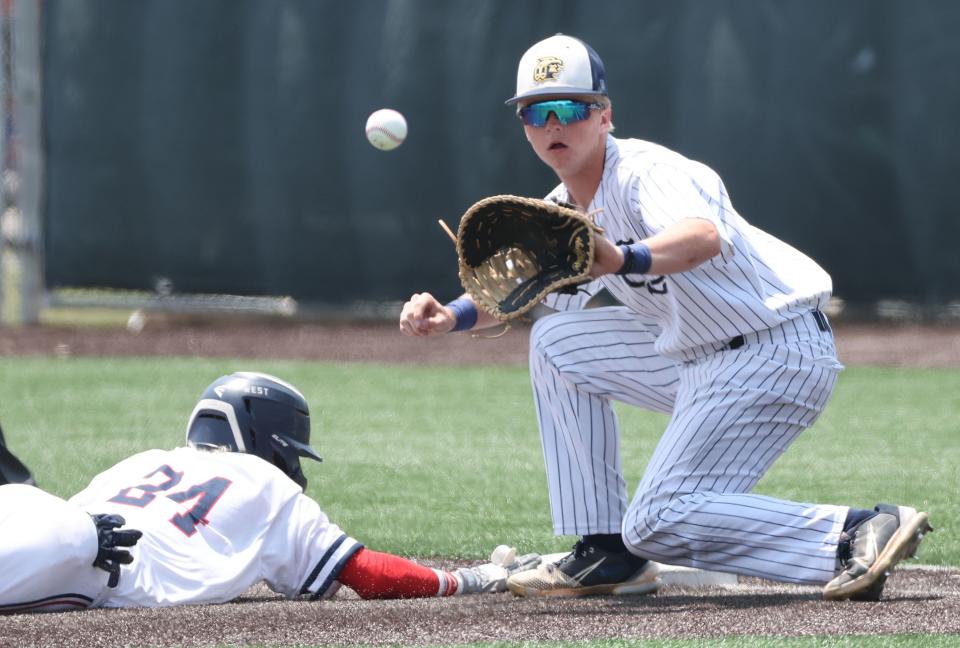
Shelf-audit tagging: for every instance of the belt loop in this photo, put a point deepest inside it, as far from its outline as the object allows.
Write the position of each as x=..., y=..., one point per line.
x=822, y=322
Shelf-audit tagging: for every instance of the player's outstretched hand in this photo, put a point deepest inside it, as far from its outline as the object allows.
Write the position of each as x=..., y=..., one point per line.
x=109, y=557
x=423, y=315
x=492, y=577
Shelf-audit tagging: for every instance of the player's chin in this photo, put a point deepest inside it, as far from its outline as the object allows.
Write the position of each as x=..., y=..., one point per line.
x=557, y=156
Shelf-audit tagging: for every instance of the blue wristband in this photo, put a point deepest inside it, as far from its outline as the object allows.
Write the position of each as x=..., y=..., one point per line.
x=466, y=313
x=636, y=259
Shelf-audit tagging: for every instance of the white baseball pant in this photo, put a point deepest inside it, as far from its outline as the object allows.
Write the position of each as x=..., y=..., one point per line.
x=733, y=413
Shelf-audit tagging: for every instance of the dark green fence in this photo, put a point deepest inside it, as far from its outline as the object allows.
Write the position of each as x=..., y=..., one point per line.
x=219, y=144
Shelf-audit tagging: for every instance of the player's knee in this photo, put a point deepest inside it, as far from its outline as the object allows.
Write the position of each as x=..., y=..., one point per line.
x=639, y=532
x=645, y=526
x=641, y=549
x=539, y=352
x=543, y=334
x=541, y=328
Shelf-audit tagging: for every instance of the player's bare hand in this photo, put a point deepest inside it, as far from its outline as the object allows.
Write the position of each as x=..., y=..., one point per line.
x=423, y=315
x=607, y=257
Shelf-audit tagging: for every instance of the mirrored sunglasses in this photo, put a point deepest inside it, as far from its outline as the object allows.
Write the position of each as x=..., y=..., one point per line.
x=567, y=111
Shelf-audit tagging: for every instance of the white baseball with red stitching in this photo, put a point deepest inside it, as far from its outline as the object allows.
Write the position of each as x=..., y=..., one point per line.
x=386, y=129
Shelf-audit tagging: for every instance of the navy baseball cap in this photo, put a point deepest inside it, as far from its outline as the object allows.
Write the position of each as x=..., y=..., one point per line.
x=560, y=66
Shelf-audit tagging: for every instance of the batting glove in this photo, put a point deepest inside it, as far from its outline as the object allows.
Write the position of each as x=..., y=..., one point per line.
x=491, y=577
x=109, y=557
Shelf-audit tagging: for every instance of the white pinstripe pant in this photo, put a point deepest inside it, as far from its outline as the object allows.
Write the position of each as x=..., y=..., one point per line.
x=733, y=413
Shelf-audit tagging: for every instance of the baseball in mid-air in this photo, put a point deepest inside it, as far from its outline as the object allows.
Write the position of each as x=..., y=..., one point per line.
x=136, y=321
x=386, y=129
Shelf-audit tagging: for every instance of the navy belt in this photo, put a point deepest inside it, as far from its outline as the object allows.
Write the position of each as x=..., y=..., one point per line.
x=818, y=316
x=736, y=343
x=822, y=322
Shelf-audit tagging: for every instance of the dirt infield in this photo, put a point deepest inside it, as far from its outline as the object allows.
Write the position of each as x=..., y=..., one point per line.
x=858, y=344
x=919, y=600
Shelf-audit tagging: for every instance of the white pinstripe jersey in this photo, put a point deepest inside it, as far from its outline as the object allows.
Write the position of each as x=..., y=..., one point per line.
x=214, y=524
x=755, y=283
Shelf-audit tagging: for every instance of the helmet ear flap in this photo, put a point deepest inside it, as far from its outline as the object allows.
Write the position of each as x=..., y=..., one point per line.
x=291, y=468
x=212, y=430
x=213, y=423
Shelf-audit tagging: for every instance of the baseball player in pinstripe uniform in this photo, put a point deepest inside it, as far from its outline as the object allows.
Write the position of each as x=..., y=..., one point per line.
x=206, y=522
x=719, y=324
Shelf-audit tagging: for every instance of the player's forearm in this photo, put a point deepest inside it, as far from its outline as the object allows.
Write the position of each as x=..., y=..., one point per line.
x=678, y=248
x=683, y=246
x=485, y=319
x=376, y=575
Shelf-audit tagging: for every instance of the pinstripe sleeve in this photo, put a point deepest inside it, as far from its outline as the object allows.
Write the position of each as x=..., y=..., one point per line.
x=665, y=194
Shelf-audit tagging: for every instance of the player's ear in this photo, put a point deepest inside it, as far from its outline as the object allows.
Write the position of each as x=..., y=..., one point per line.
x=606, y=118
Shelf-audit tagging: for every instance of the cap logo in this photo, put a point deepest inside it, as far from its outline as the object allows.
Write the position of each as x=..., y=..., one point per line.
x=547, y=68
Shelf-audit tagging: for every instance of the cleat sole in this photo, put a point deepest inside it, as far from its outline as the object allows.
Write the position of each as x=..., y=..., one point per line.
x=902, y=545
x=595, y=590
x=647, y=582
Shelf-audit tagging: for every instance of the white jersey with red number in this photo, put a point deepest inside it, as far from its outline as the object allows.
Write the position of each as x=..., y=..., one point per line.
x=214, y=524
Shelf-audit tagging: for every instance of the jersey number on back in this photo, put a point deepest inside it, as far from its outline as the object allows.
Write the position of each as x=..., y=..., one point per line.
x=206, y=495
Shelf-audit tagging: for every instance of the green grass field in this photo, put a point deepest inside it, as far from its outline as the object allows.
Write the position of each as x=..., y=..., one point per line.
x=446, y=461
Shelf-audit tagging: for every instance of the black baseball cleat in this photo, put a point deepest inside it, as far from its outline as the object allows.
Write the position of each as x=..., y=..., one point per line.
x=588, y=570
x=871, y=549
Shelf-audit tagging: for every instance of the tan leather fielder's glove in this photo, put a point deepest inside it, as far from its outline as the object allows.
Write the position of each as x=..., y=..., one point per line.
x=514, y=251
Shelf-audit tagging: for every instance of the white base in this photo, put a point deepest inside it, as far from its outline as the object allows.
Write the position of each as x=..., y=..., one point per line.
x=675, y=575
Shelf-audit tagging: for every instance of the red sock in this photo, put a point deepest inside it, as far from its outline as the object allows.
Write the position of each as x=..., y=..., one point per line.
x=372, y=575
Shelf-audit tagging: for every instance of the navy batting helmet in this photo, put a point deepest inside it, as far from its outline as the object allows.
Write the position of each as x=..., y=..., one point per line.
x=257, y=414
